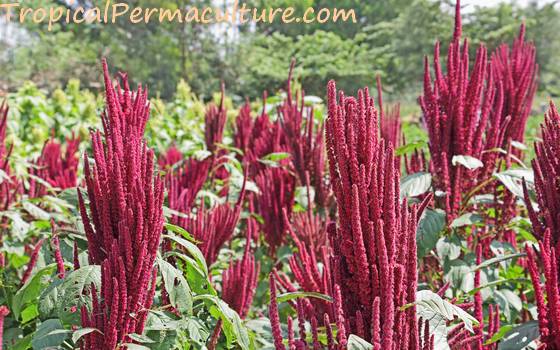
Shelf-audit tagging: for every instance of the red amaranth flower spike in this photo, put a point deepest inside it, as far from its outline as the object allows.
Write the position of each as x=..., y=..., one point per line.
x=515, y=70
x=57, y=253
x=214, y=123
x=455, y=108
x=243, y=128
x=54, y=166
x=549, y=310
x=4, y=311
x=214, y=227
x=8, y=187
x=277, y=188
x=239, y=280
x=310, y=277
x=171, y=157
x=301, y=343
x=389, y=120
x=305, y=141
x=546, y=166
x=32, y=261
x=274, y=316
x=125, y=219
x=367, y=263
x=58, y=257
x=183, y=185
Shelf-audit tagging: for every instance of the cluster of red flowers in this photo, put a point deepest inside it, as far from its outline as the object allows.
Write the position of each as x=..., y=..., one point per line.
x=546, y=167
x=475, y=113
x=59, y=169
x=546, y=227
x=515, y=71
x=125, y=221
x=239, y=280
x=276, y=196
x=305, y=142
x=5, y=187
x=389, y=119
x=456, y=110
x=7, y=191
x=183, y=185
x=374, y=275
x=549, y=310
x=214, y=227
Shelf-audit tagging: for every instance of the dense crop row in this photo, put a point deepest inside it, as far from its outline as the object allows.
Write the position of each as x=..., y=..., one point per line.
x=281, y=228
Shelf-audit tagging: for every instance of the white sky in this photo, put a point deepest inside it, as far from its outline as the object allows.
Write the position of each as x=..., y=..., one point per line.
x=468, y=5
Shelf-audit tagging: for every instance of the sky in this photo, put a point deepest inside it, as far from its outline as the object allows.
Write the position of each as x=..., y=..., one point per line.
x=469, y=4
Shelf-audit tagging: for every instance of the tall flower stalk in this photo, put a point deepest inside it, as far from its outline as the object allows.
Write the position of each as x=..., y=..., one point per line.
x=276, y=186
x=373, y=274
x=214, y=227
x=515, y=70
x=546, y=166
x=125, y=219
x=183, y=185
x=214, y=123
x=305, y=141
x=546, y=227
x=456, y=108
x=239, y=280
x=57, y=167
x=390, y=119
x=548, y=308
x=8, y=186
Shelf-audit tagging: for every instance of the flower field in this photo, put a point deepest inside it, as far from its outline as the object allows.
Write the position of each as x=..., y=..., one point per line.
x=286, y=222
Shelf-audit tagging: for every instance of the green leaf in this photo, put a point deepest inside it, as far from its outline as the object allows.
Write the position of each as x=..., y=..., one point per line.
x=518, y=145
x=160, y=321
x=198, y=280
x=428, y=302
x=467, y=220
x=409, y=148
x=276, y=156
x=168, y=212
x=296, y=295
x=468, y=162
x=429, y=228
x=139, y=338
x=31, y=290
x=447, y=249
x=29, y=313
x=177, y=288
x=499, y=335
x=19, y=227
x=496, y=260
x=512, y=179
x=231, y=322
x=197, y=330
x=520, y=336
x=73, y=292
x=303, y=195
x=35, y=211
x=132, y=346
x=23, y=343
x=50, y=334
x=507, y=300
x=416, y=184
x=179, y=230
x=48, y=300
x=193, y=251
x=357, y=343
x=498, y=282
x=78, y=333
